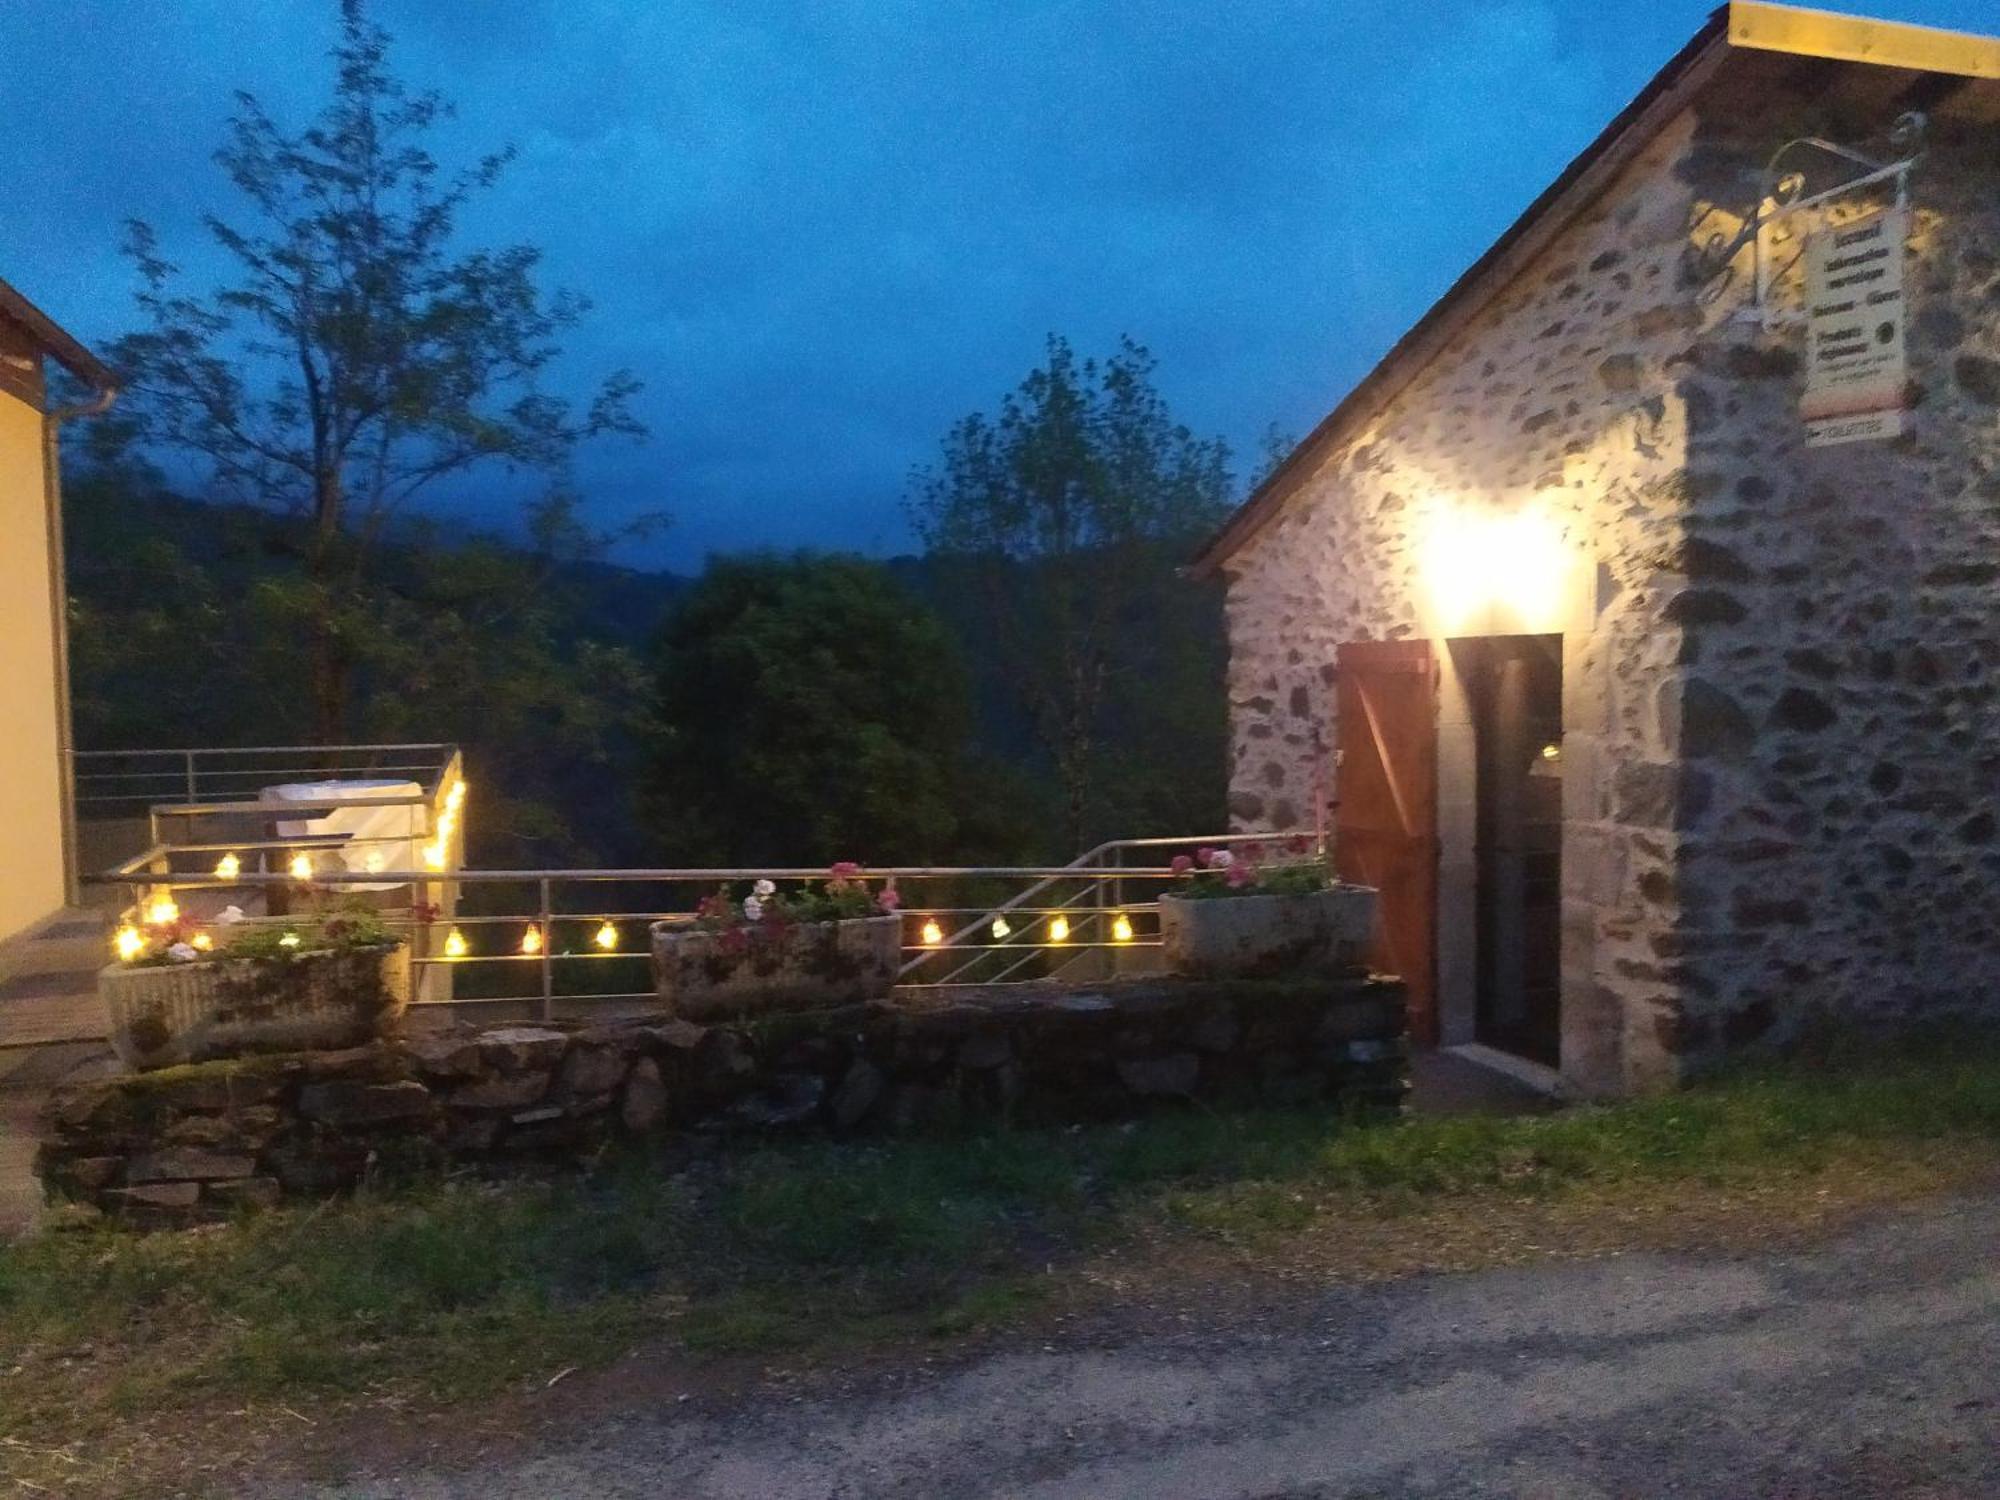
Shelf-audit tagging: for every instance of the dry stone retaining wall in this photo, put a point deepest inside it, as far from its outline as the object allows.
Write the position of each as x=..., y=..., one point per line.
x=200, y=1141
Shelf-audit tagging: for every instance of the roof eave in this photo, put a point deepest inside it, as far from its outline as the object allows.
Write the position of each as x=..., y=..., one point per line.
x=55, y=342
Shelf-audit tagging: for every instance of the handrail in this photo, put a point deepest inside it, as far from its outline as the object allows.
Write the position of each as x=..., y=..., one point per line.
x=261, y=749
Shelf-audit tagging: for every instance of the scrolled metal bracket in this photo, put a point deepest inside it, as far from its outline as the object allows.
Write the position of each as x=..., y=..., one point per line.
x=1781, y=194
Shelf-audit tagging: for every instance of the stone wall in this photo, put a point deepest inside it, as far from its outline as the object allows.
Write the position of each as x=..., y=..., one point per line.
x=1779, y=712
x=1562, y=395
x=1837, y=848
x=206, y=1140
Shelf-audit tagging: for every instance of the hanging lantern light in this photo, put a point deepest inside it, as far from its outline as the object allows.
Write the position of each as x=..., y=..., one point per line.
x=130, y=943
x=1121, y=928
x=455, y=945
x=607, y=937
x=932, y=933
x=1001, y=928
x=228, y=867
x=531, y=940
x=162, y=910
x=302, y=867
x=1058, y=929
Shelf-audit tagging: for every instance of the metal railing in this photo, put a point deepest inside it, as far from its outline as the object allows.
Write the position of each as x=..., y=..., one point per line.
x=577, y=942
x=115, y=783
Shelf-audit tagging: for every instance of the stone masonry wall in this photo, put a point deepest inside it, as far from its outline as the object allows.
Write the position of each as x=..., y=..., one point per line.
x=1561, y=395
x=1839, y=854
x=195, y=1142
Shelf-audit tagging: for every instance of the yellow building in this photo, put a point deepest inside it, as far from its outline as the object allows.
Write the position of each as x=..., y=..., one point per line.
x=37, y=857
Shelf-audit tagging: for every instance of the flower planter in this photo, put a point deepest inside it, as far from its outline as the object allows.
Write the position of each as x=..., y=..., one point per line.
x=178, y=1013
x=1260, y=937
x=704, y=972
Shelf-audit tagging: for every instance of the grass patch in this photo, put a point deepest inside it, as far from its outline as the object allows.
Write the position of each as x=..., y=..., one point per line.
x=452, y=1290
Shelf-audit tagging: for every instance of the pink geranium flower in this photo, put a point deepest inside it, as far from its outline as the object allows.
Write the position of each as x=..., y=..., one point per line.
x=887, y=899
x=1241, y=873
x=1204, y=857
x=1182, y=864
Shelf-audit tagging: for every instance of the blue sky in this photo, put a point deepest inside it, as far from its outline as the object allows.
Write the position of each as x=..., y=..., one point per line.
x=822, y=232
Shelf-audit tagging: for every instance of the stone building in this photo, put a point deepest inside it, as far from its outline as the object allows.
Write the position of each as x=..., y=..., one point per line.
x=1659, y=693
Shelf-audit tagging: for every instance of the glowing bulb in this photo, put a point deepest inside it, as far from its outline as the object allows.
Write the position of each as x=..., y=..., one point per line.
x=933, y=934
x=302, y=867
x=454, y=944
x=1001, y=927
x=130, y=942
x=1058, y=929
x=1121, y=928
x=228, y=867
x=607, y=937
x=531, y=940
x=289, y=940
x=203, y=941
x=162, y=910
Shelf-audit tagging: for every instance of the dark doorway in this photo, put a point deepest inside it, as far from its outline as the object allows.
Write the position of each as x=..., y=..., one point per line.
x=1514, y=684
x=1385, y=823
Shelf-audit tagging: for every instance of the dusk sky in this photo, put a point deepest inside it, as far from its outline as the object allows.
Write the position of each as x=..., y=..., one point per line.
x=822, y=232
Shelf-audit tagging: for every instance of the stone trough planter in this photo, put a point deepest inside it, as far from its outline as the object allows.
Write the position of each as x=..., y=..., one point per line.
x=1261, y=937
x=703, y=973
x=180, y=1013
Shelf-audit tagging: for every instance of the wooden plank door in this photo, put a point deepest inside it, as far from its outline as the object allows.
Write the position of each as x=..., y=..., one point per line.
x=1385, y=820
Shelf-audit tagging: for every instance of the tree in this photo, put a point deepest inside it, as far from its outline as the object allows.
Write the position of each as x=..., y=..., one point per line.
x=1068, y=512
x=355, y=357
x=807, y=711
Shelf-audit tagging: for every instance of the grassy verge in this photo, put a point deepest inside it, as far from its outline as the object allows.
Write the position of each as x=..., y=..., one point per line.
x=453, y=1290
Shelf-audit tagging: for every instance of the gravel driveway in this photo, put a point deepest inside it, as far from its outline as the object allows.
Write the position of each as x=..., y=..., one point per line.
x=1864, y=1367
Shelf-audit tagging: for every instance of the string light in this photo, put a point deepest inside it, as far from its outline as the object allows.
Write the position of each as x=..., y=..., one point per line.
x=455, y=945
x=1001, y=927
x=1121, y=928
x=1058, y=929
x=289, y=940
x=162, y=911
x=531, y=940
x=228, y=867
x=933, y=934
x=130, y=943
x=607, y=937
x=302, y=867
x=202, y=941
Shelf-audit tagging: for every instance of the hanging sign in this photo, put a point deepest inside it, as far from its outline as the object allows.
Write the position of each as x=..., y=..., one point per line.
x=1855, y=372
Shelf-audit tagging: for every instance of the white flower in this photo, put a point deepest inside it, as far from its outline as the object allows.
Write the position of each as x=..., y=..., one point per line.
x=183, y=953
x=229, y=916
x=763, y=888
x=753, y=909
x=1222, y=859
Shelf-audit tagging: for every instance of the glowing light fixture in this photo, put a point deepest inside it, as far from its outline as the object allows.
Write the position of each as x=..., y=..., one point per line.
x=455, y=945
x=289, y=940
x=1121, y=928
x=606, y=937
x=1001, y=927
x=228, y=867
x=1497, y=572
x=302, y=867
x=1058, y=929
x=202, y=941
x=162, y=910
x=932, y=933
x=531, y=940
x=130, y=943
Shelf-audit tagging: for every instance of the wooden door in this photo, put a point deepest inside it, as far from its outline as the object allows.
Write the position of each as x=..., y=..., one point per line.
x=1385, y=820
